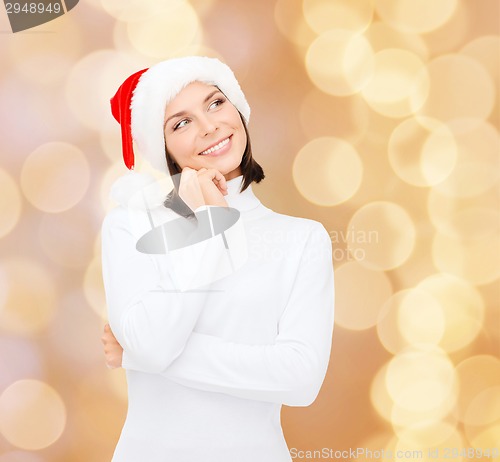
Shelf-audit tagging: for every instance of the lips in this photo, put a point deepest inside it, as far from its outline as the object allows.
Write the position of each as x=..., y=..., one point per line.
x=216, y=146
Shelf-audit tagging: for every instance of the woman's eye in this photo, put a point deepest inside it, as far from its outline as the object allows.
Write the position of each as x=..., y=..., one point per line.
x=216, y=103
x=180, y=124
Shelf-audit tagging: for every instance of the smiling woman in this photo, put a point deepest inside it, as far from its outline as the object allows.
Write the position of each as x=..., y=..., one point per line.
x=204, y=130
x=210, y=365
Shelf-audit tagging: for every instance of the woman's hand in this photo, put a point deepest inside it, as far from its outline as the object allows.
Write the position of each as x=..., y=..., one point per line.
x=202, y=187
x=113, y=351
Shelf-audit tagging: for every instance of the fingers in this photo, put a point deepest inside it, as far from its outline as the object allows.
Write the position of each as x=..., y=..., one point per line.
x=221, y=180
x=107, y=333
x=104, y=337
x=108, y=337
x=113, y=351
x=196, y=187
x=216, y=177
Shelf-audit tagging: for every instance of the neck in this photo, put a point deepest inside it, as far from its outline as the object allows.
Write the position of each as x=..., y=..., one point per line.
x=240, y=200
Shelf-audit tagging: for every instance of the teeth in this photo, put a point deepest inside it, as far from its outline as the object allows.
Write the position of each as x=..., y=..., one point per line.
x=216, y=147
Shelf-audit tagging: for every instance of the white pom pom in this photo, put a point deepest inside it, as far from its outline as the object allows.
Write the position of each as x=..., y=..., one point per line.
x=126, y=186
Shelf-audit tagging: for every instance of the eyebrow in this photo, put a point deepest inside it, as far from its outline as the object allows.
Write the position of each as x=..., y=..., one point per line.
x=182, y=113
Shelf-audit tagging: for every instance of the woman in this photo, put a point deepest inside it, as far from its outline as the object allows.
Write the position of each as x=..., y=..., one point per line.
x=209, y=368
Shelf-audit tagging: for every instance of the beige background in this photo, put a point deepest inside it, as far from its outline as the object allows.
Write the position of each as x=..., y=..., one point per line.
x=377, y=118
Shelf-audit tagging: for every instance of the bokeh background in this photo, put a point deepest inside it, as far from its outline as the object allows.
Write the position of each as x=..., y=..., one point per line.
x=377, y=118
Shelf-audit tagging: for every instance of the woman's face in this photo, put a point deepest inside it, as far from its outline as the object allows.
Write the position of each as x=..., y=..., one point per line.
x=203, y=129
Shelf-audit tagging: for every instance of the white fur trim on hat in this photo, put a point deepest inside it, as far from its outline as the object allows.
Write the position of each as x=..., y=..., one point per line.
x=160, y=84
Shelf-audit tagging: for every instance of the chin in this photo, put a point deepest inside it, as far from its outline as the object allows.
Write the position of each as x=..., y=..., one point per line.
x=224, y=165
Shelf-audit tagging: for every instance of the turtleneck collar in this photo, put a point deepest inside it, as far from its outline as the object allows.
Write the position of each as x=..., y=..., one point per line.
x=242, y=201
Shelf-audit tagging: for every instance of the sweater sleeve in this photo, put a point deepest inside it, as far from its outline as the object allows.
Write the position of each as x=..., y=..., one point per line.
x=290, y=371
x=149, y=317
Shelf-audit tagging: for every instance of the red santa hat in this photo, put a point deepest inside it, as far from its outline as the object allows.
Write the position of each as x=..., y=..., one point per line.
x=140, y=102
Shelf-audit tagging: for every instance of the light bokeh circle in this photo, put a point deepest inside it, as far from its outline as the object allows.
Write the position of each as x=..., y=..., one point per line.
x=418, y=420
x=464, y=218
x=484, y=408
x=45, y=62
x=473, y=259
x=379, y=396
x=406, y=417
x=21, y=456
x=485, y=50
x=26, y=362
x=132, y=10
x=359, y=309
x=421, y=379
x=487, y=438
x=459, y=87
x=65, y=237
x=289, y=19
x=416, y=17
x=55, y=177
x=420, y=319
x=93, y=287
x=325, y=115
x=32, y=414
x=477, y=374
x=30, y=300
x=462, y=307
x=10, y=203
x=93, y=80
x=478, y=158
x=327, y=171
x=410, y=317
x=450, y=36
x=111, y=143
x=351, y=15
x=381, y=37
x=170, y=28
x=399, y=85
x=383, y=235
x=422, y=154
x=428, y=437
x=470, y=223
x=194, y=47
x=340, y=62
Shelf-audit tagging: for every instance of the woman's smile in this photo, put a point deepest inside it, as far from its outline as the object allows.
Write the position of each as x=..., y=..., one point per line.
x=219, y=148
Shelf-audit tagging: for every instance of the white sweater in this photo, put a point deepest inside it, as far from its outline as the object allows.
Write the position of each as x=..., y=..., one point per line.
x=208, y=369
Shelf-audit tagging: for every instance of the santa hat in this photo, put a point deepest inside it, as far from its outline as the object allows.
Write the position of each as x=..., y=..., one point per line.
x=140, y=102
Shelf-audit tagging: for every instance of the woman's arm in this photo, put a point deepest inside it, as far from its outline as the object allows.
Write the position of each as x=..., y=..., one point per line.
x=290, y=371
x=150, y=319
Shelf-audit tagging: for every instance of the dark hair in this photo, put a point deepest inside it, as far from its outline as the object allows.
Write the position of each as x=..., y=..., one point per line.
x=250, y=169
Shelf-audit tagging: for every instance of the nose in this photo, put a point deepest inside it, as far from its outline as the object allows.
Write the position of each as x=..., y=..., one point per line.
x=207, y=125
